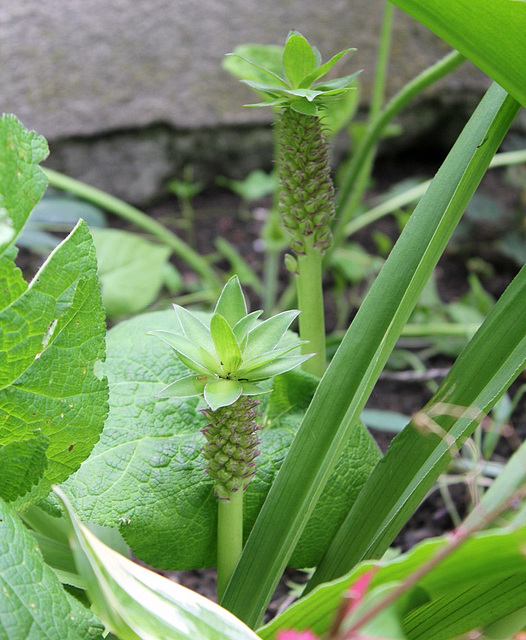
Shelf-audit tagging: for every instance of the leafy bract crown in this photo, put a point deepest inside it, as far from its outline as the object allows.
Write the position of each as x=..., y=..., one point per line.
x=234, y=354
x=298, y=86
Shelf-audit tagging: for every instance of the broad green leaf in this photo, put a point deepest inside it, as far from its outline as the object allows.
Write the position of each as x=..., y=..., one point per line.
x=51, y=352
x=146, y=475
x=302, y=105
x=33, y=605
x=221, y=393
x=22, y=182
x=355, y=368
x=457, y=593
x=136, y=603
x=298, y=59
x=22, y=465
x=226, y=345
x=488, y=32
x=266, y=335
x=130, y=270
x=231, y=304
x=270, y=356
x=483, y=371
x=325, y=68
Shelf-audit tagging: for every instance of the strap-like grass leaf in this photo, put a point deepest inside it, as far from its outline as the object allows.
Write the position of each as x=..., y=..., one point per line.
x=489, y=32
x=466, y=590
x=353, y=372
x=483, y=371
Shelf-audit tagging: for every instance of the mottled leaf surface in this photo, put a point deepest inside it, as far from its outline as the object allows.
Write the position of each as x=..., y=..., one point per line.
x=147, y=476
x=33, y=604
x=53, y=399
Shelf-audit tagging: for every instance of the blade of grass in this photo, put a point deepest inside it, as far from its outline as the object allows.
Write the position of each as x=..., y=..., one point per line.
x=350, y=378
x=488, y=32
x=415, y=459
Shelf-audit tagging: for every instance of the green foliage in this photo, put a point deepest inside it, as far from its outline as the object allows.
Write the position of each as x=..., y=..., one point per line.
x=34, y=606
x=136, y=603
x=52, y=395
x=482, y=581
x=131, y=270
x=233, y=354
x=301, y=67
x=146, y=475
x=490, y=33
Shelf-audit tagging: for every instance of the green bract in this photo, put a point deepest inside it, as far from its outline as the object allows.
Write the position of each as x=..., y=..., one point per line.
x=297, y=87
x=233, y=355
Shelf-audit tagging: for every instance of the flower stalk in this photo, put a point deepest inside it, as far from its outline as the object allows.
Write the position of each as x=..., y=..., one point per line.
x=306, y=192
x=230, y=359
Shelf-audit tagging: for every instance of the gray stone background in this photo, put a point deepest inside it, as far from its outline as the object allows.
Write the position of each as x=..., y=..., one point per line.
x=129, y=92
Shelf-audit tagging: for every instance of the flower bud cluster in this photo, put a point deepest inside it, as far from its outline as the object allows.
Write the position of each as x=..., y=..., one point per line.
x=306, y=197
x=231, y=445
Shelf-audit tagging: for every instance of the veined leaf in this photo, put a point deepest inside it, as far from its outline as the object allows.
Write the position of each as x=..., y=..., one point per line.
x=353, y=372
x=146, y=474
x=456, y=594
x=22, y=182
x=34, y=606
x=52, y=344
x=138, y=604
x=22, y=465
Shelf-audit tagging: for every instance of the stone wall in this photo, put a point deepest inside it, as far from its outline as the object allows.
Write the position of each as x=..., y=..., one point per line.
x=128, y=92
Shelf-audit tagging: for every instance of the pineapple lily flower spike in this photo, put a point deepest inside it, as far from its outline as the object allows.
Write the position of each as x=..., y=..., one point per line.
x=230, y=359
x=306, y=191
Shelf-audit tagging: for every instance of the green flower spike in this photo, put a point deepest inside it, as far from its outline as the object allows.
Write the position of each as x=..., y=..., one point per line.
x=233, y=355
x=306, y=191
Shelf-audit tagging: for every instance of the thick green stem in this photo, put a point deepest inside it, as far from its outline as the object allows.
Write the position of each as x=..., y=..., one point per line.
x=137, y=217
x=229, y=538
x=310, y=301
